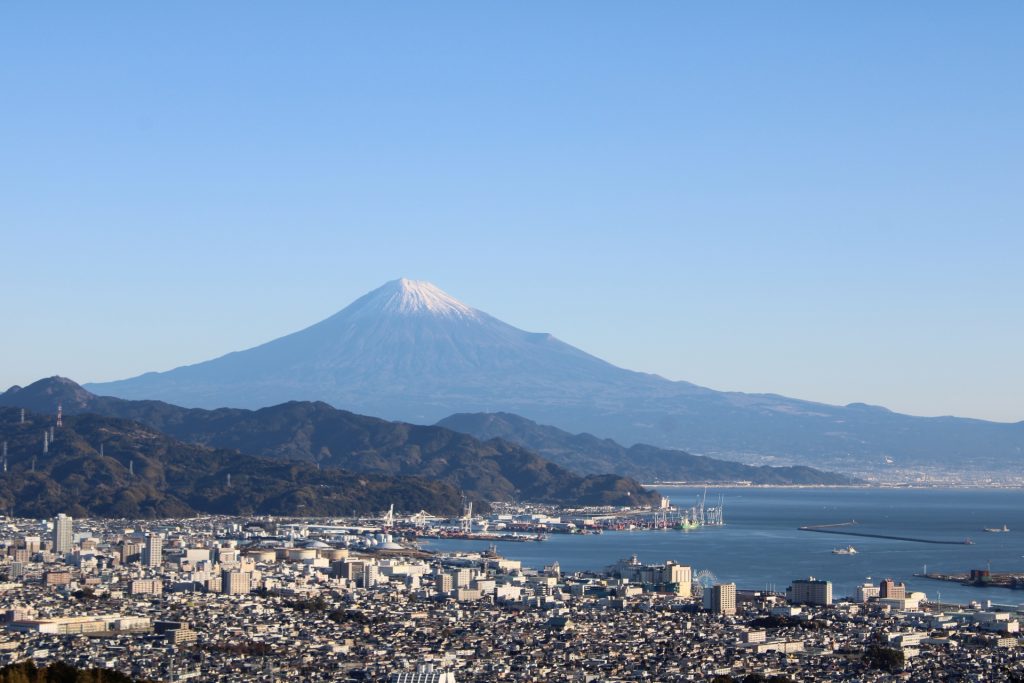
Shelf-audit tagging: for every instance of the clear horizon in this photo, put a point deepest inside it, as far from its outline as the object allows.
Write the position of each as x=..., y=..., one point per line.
x=816, y=201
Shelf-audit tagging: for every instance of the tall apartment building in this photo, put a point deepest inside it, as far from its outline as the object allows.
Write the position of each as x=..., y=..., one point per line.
x=810, y=591
x=679, y=577
x=62, y=534
x=153, y=553
x=444, y=583
x=235, y=582
x=721, y=598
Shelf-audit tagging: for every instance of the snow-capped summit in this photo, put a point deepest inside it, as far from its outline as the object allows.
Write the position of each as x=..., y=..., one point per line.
x=412, y=297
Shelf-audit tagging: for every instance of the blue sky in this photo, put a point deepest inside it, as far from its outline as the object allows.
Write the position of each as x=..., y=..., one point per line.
x=822, y=200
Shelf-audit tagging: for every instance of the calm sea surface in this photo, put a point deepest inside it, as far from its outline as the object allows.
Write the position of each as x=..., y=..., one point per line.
x=760, y=545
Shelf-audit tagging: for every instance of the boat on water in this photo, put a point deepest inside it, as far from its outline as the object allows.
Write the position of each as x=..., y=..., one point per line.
x=848, y=550
x=995, y=530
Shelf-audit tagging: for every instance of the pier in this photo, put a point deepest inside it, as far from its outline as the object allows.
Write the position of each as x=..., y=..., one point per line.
x=832, y=529
x=978, y=577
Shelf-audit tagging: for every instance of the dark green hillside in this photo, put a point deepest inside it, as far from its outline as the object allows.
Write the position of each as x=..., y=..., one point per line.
x=492, y=470
x=317, y=433
x=172, y=478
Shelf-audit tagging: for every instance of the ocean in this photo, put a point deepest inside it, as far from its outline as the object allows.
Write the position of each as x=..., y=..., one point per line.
x=760, y=545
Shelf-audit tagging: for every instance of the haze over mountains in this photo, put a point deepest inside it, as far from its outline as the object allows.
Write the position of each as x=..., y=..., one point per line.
x=408, y=351
x=587, y=453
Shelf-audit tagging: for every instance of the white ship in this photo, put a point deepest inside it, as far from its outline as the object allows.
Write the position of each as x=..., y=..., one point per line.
x=848, y=550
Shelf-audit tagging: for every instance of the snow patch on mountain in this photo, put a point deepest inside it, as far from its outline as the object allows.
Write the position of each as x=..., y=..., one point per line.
x=414, y=297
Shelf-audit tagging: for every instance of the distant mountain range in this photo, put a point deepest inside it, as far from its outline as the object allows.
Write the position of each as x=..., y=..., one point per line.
x=320, y=436
x=408, y=351
x=586, y=453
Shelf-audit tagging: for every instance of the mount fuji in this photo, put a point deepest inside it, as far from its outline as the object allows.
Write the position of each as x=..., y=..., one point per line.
x=409, y=351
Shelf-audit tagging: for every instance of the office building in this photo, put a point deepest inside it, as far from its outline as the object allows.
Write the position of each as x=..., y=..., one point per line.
x=810, y=591
x=146, y=587
x=867, y=591
x=890, y=589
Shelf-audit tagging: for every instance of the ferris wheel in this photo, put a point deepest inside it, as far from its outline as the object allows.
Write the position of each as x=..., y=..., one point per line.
x=703, y=580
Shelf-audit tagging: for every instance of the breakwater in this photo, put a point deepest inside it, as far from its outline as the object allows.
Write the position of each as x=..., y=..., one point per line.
x=831, y=529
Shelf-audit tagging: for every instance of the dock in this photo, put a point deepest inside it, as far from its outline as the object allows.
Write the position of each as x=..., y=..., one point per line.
x=979, y=578
x=832, y=529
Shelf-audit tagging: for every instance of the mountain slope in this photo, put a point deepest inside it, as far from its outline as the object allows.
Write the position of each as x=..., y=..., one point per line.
x=318, y=433
x=140, y=472
x=408, y=351
x=586, y=453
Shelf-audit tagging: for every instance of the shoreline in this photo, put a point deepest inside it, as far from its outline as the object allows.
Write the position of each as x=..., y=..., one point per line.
x=916, y=487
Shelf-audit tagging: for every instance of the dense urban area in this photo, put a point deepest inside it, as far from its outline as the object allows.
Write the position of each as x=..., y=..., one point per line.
x=264, y=599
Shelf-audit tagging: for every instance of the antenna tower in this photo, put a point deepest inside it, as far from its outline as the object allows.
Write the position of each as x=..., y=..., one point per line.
x=60, y=415
x=46, y=442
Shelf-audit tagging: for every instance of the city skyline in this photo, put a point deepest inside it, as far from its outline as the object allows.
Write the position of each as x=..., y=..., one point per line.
x=810, y=201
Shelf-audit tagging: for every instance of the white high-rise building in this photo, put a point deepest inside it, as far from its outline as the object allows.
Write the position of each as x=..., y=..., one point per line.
x=153, y=553
x=63, y=538
x=867, y=591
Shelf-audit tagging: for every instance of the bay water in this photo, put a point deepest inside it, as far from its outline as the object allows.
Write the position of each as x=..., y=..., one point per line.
x=760, y=545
